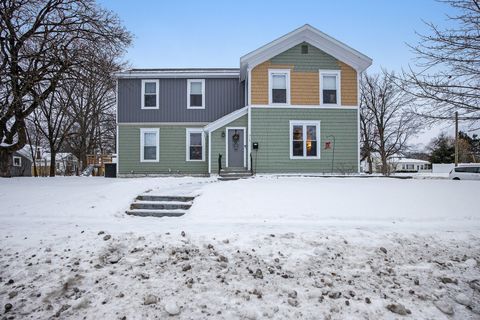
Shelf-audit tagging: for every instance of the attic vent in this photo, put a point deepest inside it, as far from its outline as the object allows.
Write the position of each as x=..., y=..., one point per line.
x=304, y=48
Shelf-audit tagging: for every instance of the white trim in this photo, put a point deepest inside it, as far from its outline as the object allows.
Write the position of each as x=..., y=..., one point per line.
x=116, y=120
x=358, y=121
x=305, y=123
x=278, y=71
x=176, y=74
x=337, y=74
x=328, y=106
x=144, y=81
x=142, y=143
x=311, y=35
x=189, y=81
x=156, y=124
x=17, y=158
x=226, y=119
x=210, y=152
x=226, y=144
x=249, y=93
x=188, y=131
x=249, y=137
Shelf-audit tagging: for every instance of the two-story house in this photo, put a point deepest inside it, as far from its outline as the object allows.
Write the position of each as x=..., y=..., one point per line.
x=290, y=108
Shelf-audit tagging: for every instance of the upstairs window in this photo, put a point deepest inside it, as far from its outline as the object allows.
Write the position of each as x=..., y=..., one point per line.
x=149, y=145
x=304, y=139
x=195, y=145
x=330, y=87
x=279, y=86
x=149, y=94
x=196, y=94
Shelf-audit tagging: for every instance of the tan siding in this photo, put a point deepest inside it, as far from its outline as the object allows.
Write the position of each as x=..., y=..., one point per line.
x=304, y=85
x=304, y=88
x=348, y=85
x=260, y=81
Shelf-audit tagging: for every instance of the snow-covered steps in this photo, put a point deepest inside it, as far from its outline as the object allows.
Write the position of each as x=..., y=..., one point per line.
x=234, y=174
x=155, y=213
x=160, y=206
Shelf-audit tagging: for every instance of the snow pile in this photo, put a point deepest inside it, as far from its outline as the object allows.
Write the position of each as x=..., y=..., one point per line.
x=279, y=248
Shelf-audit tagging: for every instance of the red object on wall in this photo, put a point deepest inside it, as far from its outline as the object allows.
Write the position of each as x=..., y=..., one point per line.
x=327, y=145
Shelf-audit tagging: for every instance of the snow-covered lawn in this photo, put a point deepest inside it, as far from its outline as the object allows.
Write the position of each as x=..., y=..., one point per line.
x=269, y=247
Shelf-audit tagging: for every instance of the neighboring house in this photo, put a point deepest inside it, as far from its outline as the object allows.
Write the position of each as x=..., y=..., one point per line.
x=410, y=165
x=398, y=164
x=65, y=162
x=278, y=113
x=21, y=163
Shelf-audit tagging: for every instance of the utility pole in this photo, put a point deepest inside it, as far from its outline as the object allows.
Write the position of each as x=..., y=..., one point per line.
x=456, y=138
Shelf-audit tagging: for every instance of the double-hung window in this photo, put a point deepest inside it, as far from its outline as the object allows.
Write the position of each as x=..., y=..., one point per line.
x=149, y=144
x=17, y=161
x=279, y=86
x=150, y=94
x=196, y=94
x=330, y=87
x=304, y=139
x=195, y=145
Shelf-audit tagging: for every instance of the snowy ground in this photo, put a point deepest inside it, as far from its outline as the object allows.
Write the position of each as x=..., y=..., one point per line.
x=269, y=247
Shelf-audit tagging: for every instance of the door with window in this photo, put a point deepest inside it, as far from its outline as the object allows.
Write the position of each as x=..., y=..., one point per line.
x=236, y=147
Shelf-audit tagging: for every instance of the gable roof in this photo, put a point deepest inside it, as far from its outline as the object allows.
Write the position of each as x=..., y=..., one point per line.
x=309, y=34
x=212, y=126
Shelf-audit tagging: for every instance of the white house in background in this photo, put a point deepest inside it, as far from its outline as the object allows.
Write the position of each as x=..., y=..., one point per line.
x=410, y=165
x=398, y=164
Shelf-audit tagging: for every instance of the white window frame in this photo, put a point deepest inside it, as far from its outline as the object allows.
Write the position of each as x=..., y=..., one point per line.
x=336, y=73
x=142, y=144
x=156, y=93
x=305, y=123
x=19, y=161
x=189, y=81
x=187, y=148
x=270, y=83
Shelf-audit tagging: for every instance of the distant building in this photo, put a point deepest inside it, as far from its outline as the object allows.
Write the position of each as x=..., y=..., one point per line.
x=398, y=164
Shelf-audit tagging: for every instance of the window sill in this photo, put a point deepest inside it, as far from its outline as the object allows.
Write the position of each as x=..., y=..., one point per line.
x=150, y=108
x=153, y=161
x=305, y=158
x=196, y=108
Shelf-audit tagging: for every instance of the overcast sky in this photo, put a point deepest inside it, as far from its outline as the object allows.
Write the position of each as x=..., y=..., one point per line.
x=217, y=33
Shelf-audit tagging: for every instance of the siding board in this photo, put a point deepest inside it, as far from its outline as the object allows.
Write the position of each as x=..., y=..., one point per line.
x=172, y=152
x=271, y=129
x=222, y=96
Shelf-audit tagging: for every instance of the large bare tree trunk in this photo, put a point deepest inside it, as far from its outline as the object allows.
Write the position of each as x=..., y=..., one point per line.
x=52, y=163
x=5, y=157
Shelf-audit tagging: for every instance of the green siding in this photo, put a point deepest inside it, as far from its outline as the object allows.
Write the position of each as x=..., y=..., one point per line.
x=271, y=129
x=172, y=152
x=313, y=61
x=218, y=142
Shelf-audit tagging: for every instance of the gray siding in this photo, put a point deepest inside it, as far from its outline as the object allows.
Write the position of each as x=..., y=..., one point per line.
x=23, y=171
x=222, y=96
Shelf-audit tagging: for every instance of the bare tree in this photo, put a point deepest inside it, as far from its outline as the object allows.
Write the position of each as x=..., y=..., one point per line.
x=387, y=122
x=93, y=109
x=40, y=42
x=446, y=77
x=53, y=120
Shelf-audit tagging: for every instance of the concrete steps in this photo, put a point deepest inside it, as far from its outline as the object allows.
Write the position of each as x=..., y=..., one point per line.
x=160, y=206
x=234, y=174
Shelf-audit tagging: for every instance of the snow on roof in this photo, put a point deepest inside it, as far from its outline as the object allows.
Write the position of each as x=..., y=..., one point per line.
x=408, y=160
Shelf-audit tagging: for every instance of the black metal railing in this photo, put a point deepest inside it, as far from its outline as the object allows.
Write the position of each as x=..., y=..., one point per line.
x=219, y=163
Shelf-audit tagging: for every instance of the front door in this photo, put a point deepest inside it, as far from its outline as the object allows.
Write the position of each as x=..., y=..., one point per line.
x=236, y=148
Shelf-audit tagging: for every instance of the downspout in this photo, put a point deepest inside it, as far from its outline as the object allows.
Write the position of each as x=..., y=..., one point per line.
x=249, y=117
x=209, y=152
